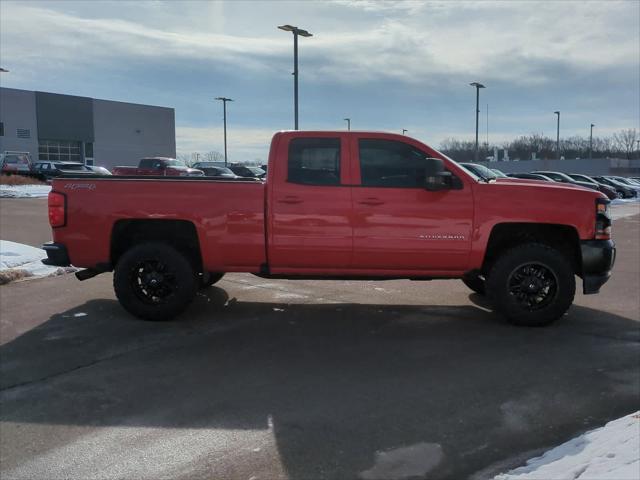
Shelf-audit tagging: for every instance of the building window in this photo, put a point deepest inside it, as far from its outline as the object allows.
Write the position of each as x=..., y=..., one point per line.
x=1, y=129
x=314, y=161
x=23, y=133
x=59, y=151
x=88, y=150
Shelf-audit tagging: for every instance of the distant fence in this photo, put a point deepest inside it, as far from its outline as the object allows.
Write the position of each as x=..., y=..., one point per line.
x=595, y=166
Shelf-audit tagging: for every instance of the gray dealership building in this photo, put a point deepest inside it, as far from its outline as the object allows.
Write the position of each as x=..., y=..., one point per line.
x=52, y=126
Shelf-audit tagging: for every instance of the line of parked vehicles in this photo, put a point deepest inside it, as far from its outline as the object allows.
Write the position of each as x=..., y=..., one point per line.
x=19, y=163
x=612, y=186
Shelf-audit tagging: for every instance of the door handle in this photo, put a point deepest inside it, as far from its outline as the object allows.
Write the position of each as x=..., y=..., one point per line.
x=290, y=199
x=371, y=201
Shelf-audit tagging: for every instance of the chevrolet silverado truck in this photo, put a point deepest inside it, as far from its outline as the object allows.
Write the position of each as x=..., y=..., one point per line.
x=337, y=205
x=163, y=166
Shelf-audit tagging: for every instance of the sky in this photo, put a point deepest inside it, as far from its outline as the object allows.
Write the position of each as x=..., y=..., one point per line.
x=387, y=65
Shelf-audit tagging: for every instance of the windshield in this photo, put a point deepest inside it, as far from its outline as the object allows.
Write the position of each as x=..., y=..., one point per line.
x=70, y=166
x=256, y=170
x=225, y=171
x=175, y=163
x=479, y=170
x=498, y=173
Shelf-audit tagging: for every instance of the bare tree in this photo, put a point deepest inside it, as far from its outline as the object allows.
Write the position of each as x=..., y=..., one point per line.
x=625, y=140
x=214, y=156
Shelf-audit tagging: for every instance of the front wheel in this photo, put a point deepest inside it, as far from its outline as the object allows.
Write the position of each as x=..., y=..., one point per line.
x=209, y=278
x=154, y=281
x=532, y=285
x=475, y=281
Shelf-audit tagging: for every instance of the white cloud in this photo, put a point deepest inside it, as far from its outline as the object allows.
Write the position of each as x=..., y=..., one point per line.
x=413, y=42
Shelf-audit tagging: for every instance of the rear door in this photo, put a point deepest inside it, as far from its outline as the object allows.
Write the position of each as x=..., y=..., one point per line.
x=310, y=204
x=398, y=224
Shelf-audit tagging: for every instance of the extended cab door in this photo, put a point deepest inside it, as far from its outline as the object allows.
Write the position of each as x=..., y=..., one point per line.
x=398, y=224
x=309, y=204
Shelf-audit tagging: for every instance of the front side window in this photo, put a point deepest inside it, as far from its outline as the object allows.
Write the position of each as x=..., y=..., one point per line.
x=314, y=161
x=389, y=163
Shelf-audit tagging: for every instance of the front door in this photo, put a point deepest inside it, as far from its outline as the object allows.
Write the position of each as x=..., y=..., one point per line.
x=398, y=224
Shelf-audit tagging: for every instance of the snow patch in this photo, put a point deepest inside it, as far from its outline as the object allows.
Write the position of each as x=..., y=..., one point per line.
x=405, y=462
x=24, y=191
x=25, y=260
x=609, y=452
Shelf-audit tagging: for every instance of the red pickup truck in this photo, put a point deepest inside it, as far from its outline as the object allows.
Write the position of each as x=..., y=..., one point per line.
x=163, y=166
x=337, y=205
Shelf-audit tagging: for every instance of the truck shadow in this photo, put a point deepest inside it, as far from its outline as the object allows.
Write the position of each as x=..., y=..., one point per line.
x=333, y=383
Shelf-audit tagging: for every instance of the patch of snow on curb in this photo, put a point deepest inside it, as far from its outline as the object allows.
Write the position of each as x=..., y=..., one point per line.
x=609, y=452
x=27, y=260
x=24, y=191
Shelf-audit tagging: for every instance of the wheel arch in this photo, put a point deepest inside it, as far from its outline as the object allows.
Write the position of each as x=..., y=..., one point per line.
x=180, y=234
x=505, y=236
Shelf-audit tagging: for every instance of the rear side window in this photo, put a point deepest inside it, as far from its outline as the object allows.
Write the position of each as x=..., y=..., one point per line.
x=314, y=161
x=389, y=163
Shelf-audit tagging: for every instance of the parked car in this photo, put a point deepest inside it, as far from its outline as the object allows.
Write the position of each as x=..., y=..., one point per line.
x=623, y=190
x=391, y=207
x=564, y=178
x=247, y=171
x=161, y=166
x=530, y=176
x=609, y=191
x=222, y=172
x=627, y=181
x=15, y=163
x=479, y=170
x=488, y=174
x=201, y=165
x=55, y=169
x=498, y=173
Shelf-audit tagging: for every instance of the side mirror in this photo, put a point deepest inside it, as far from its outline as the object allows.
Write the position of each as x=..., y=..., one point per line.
x=435, y=176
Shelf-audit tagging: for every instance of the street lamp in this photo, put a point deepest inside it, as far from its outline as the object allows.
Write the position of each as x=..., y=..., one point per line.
x=2, y=70
x=557, y=112
x=478, y=87
x=404, y=130
x=591, y=141
x=348, y=120
x=224, y=101
x=296, y=31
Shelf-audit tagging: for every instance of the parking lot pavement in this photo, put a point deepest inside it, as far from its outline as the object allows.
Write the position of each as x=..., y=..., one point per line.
x=24, y=220
x=306, y=380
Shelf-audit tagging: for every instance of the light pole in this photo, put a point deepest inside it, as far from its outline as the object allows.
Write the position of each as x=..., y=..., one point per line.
x=478, y=87
x=3, y=70
x=591, y=141
x=404, y=130
x=557, y=112
x=224, y=101
x=348, y=120
x=296, y=31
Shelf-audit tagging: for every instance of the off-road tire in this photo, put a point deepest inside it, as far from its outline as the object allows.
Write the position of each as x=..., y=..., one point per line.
x=531, y=265
x=209, y=278
x=475, y=281
x=175, y=271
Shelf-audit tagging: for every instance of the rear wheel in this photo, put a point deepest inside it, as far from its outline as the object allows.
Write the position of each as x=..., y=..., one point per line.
x=154, y=281
x=532, y=285
x=475, y=281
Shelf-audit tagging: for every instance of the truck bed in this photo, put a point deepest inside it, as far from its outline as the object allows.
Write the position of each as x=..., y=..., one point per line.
x=228, y=215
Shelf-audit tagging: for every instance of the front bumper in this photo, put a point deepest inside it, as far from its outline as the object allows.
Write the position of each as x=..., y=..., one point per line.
x=57, y=255
x=598, y=257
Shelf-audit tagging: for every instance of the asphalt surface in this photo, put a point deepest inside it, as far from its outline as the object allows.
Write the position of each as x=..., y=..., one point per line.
x=303, y=380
